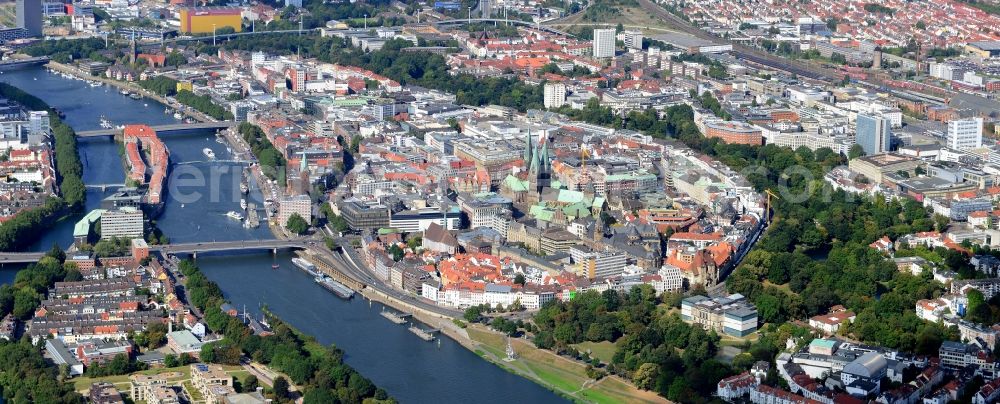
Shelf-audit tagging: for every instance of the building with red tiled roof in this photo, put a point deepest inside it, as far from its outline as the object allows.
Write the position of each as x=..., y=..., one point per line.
x=767, y=394
x=734, y=132
x=830, y=323
x=701, y=266
x=989, y=393
x=883, y=245
x=735, y=387
x=142, y=146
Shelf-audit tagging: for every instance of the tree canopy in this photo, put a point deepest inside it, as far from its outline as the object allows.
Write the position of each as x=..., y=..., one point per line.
x=297, y=224
x=319, y=369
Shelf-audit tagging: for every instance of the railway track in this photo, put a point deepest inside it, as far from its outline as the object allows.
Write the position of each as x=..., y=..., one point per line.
x=744, y=52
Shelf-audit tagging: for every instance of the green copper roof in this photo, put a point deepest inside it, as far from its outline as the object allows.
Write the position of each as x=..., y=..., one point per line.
x=541, y=213
x=598, y=202
x=577, y=210
x=515, y=184
x=82, y=227
x=568, y=196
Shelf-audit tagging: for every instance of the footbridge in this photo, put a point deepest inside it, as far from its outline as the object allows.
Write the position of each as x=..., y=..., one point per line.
x=104, y=187
x=162, y=129
x=192, y=162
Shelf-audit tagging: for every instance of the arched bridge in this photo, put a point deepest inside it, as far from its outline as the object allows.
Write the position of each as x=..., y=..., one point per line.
x=184, y=248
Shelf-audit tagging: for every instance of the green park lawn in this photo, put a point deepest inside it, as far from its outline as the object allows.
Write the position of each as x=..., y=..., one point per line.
x=562, y=375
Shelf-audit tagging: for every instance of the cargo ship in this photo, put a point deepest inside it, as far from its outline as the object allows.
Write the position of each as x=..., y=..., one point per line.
x=306, y=266
x=337, y=288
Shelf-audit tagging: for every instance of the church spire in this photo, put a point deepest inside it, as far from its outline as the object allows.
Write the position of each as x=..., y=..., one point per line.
x=527, y=148
x=545, y=157
x=535, y=167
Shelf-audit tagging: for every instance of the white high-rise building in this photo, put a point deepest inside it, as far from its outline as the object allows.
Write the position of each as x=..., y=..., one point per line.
x=604, y=43
x=38, y=122
x=126, y=222
x=872, y=134
x=964, y=134
x=555, y=95
x=257, y=58
x=300, y=204
x=632, y=39
x=597, y=264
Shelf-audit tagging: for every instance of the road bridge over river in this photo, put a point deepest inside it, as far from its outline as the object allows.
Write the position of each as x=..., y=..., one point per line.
x=184, y=248
x=162, y=129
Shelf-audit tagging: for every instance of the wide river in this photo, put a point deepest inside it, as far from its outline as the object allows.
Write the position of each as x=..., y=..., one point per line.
x=201, y=192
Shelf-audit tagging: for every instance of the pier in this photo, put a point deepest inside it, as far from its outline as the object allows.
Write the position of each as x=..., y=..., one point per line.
x=327, y=268
x=253, y=218
x=426, y=335
x=399, y=318
x=336, y=288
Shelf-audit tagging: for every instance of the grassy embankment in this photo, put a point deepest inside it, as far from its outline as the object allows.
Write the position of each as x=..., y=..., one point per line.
x=559, y=374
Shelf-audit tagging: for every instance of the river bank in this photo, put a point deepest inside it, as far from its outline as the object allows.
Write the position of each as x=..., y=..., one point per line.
x=131, y=87
x=409, y=368
x=232, y=139
x=561, y=375
x=23, y=229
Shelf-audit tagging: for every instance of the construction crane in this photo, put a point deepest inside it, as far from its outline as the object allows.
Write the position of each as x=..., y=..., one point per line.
x=767, y=212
